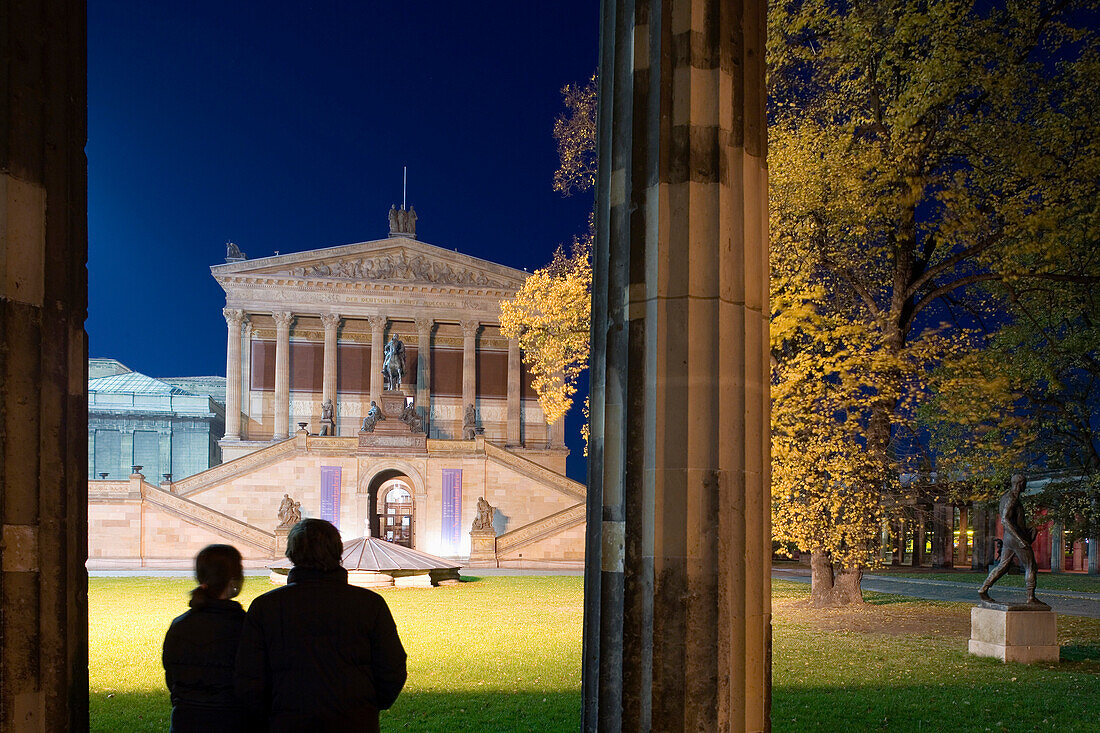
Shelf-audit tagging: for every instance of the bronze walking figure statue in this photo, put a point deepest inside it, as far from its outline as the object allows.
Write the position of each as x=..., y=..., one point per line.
x=1017, y=543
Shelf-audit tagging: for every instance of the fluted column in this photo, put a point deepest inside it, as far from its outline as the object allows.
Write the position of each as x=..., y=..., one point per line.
x=515, y=409
x=331, y=323
x=1057, y=548
x=424, y=366
x=677, y=574
x=246, y=379
x=377, y=347
x=233, y=320
x=469, y=363
x=282, y=374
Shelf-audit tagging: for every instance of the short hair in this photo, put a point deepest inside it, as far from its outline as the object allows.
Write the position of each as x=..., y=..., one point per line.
x=314, y=543
x=217, y=568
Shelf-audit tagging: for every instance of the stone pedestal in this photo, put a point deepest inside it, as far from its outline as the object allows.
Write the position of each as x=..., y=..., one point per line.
x=391, y=434
x=483, y=548
x=1013, y=635
x=280, y=540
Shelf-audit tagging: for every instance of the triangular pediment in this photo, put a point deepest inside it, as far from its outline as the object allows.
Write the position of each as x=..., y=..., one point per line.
x=394, y=260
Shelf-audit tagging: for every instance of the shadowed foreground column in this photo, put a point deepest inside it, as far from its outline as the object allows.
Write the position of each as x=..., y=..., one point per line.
x=43, y=368
x=677, y=582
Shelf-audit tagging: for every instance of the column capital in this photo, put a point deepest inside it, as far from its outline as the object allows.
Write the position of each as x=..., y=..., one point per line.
x=331, y=320
x=234, y=316
x=377, y=323
x=424, y=325
x=470, y=327
x=248, y=327
x=283, y=318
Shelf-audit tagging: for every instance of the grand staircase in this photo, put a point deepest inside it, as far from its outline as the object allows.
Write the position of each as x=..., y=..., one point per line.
x=540, y=529
x=204, y=516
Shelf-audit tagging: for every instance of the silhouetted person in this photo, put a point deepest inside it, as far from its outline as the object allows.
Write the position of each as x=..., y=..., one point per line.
x=200, y=648
x=319, y=654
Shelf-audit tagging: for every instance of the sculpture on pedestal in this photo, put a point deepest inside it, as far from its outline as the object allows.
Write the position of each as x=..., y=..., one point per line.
x=484, y=518
x=470, y=430
x=1017, y=543
x=328, y=424
x=393, y=367
x=411, y=417
x=374, y=416
x=290, y=512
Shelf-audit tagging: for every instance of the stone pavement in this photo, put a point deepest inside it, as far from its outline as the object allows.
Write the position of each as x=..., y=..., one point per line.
x=1069, y=603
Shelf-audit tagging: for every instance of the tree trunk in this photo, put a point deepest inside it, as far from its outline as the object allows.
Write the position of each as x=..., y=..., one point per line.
x=821, y=579
x=846, y=587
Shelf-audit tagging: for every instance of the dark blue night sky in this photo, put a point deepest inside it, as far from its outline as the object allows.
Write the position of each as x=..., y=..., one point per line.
x=285, y=126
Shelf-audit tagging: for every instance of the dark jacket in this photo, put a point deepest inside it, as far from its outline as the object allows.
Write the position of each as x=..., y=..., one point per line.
x=200, y=650
x=319, y=654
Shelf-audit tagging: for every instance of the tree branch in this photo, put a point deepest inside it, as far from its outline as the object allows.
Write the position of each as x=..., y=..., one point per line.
x=970, y=251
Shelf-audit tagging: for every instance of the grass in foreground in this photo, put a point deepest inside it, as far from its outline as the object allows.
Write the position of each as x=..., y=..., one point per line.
x=503, y=654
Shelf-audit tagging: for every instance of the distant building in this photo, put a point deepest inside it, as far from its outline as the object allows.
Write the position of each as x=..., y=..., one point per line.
x=134, y=419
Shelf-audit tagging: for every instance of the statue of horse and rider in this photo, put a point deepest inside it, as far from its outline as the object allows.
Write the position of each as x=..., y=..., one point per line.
x=393, y=365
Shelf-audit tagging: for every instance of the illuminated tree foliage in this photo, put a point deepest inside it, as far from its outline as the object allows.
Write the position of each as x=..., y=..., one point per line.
x=575, y=132
x=551, y=317
x=924, y=158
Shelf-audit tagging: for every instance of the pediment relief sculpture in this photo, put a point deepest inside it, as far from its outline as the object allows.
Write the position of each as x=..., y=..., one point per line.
x=399, y=267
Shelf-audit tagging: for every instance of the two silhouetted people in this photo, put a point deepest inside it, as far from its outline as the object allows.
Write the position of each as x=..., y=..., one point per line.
x=318, y=654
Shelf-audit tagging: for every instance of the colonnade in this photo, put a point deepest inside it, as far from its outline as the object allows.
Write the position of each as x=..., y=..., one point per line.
x=236, y=319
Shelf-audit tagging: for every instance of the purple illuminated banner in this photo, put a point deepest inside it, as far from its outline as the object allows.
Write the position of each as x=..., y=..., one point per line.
x=452, y=510
x=330, y=494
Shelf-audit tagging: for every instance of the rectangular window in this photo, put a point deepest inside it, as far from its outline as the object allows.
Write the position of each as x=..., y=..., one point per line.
x=108, y=454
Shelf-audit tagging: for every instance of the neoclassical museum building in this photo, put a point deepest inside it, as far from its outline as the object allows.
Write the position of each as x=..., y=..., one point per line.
x=309, y=329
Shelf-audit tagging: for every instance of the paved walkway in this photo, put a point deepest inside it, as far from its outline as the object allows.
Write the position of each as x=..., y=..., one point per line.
x=1066, y=602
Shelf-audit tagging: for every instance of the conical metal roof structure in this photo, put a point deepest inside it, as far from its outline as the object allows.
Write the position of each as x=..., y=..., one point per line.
x=378, y=556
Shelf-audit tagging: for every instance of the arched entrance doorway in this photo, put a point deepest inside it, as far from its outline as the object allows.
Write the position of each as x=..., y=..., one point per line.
x=390, y=513
x=397, y=512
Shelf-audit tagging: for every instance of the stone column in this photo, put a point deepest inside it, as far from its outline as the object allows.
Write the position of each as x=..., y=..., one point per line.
x=424, y=328
x=941, y=535
x=331, y=322
x=233, y=319
x=981, y=552
x=282, y=374
x=918, y=537
x=677, y=579
x=469, y=363
x=377, y=347
x=246, y=379
x=960, y=548
x=515, y=409
x=43, y=368
x=1057, y=548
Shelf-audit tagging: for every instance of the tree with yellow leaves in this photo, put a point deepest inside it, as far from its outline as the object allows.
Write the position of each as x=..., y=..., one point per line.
x=922, y=158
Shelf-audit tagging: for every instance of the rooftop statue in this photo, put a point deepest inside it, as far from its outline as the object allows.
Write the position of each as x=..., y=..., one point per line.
x=1017, y=543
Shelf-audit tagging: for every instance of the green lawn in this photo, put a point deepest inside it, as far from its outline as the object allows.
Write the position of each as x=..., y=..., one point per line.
x=503, y=654
x=1050, y=581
